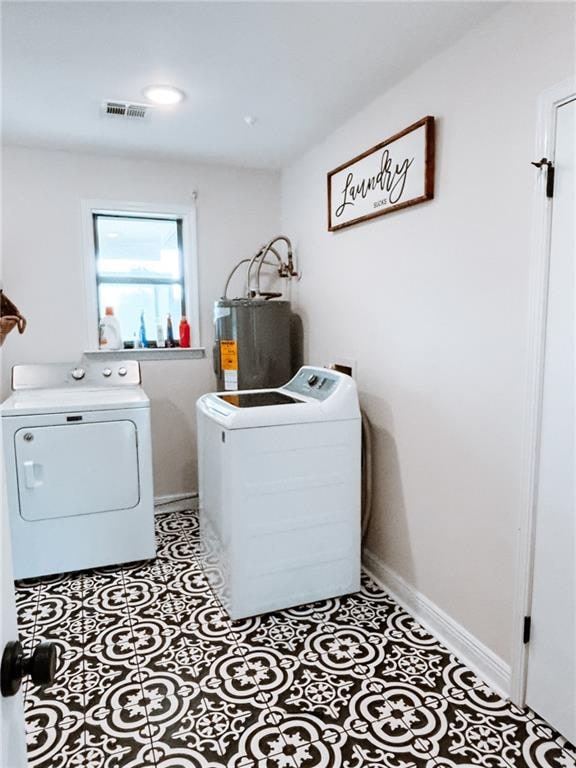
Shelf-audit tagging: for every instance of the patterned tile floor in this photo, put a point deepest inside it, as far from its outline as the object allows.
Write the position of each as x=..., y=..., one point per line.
x=153, y=674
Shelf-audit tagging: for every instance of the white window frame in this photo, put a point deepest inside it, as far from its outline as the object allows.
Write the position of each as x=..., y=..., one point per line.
x=187, y=213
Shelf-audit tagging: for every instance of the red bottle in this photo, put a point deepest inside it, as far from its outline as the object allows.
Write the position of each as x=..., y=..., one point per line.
x=184, y=333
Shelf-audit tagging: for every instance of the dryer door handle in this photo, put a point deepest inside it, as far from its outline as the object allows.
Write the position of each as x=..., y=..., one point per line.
x=30, y=475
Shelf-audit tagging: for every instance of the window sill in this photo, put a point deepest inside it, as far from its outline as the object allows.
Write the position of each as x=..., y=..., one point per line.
x=142, y=355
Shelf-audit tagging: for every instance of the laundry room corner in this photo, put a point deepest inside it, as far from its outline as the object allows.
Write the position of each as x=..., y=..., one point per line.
x=287, y=376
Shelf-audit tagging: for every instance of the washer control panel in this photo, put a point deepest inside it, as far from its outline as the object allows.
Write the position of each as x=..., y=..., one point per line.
x=313, y=382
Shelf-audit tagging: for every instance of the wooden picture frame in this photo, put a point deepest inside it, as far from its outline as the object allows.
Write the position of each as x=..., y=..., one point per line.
x=387, y=178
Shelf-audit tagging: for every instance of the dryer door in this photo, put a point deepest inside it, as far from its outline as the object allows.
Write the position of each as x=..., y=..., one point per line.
x=77, y=469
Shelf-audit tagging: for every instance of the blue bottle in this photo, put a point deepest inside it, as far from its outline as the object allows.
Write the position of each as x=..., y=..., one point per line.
x=169, y=332
x=143, y=340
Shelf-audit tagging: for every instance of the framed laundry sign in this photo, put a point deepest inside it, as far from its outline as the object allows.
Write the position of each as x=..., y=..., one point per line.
x=394, y=174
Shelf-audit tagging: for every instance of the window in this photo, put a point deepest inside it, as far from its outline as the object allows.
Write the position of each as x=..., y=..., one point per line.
x=140, y=261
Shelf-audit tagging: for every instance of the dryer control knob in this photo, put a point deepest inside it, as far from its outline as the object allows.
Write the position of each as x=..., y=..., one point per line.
x=78, y=373
x=312, y=379
x=122, y=371
x=107, y=372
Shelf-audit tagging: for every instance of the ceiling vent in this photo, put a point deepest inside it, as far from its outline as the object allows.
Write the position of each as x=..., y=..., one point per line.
x=125, y=109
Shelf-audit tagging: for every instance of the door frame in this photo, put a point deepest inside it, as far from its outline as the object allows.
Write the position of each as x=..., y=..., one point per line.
x=548, y=104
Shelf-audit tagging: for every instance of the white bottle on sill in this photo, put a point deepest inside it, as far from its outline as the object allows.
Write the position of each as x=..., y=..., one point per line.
x=160, y=341
x=110, y=333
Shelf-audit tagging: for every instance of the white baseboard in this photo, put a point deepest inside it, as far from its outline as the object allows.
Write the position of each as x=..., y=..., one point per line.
x=175, y=502
x=462, y=643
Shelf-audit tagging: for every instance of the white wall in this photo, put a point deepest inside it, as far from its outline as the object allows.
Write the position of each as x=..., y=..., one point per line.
x=238, y=210
x=432, y=303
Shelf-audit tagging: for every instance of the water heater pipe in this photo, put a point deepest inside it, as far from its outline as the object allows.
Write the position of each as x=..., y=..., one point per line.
x=286, y=270
x=264, y=253
x=243, y=261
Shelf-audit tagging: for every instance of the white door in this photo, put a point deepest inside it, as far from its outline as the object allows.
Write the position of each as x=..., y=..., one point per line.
x=551, y=689
x=12, y=733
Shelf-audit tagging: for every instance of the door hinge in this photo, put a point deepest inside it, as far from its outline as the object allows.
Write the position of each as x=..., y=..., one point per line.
x=527, y=628
x=549, y=174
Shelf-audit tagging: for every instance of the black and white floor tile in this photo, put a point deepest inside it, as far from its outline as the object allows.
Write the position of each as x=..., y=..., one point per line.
x=153, y=674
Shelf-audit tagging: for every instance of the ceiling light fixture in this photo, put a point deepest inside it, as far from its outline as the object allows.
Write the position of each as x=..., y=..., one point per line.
x=164, y=95
x=250, y=120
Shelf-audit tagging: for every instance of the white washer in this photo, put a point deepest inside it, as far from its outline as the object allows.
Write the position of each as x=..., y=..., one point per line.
x=78, y=459
x=279, y=481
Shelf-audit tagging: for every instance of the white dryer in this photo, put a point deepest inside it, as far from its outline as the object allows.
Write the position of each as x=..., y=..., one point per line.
x=78, y=459
x=279, y=481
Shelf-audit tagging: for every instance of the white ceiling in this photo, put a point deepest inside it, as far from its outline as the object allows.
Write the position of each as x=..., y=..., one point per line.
x=301, y=67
